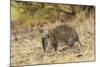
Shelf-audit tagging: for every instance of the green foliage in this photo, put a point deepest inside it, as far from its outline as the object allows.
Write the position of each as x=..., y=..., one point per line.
x=35, y=11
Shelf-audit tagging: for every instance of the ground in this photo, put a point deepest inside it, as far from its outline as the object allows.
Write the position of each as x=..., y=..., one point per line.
x=26, y=48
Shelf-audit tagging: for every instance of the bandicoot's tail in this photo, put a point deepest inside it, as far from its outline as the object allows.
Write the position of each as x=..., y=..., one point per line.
x=81, y=44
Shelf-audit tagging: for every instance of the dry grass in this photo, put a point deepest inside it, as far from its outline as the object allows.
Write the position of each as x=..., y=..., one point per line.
x=27, y=50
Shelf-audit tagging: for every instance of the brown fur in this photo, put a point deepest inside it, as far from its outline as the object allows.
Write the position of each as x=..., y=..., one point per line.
x=63, y=33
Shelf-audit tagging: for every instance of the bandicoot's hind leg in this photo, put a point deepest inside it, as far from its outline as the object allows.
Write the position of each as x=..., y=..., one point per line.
x=55, y=45
x=70, y=42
